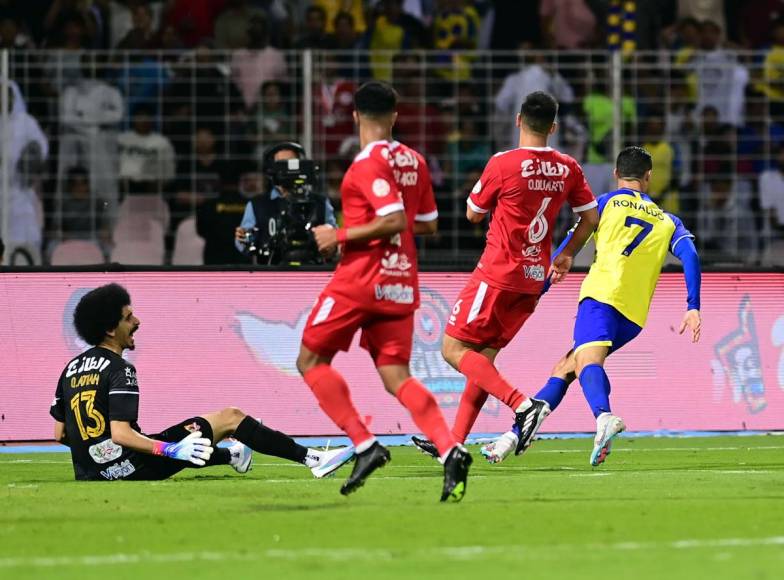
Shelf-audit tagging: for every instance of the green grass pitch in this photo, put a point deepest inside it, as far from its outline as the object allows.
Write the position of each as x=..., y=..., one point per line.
x=659, y=508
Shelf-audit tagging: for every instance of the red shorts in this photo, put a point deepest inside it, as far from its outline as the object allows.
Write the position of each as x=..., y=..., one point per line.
x=488, y=316
x=332, y=324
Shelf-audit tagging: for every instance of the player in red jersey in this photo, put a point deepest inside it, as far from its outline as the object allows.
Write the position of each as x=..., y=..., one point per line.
x=387, y=199
x=525, y=189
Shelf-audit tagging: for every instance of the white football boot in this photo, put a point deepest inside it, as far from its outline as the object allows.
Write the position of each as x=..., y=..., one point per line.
x=500, y=449
x=241, y=457
x=331, y=461
x=608, y=426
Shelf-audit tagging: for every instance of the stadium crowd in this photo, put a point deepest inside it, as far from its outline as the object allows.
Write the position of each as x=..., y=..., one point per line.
x=121, y=108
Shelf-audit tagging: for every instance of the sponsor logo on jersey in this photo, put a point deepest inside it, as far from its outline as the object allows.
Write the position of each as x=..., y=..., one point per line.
x=737, y=365
x=118, y=471
x=531, y=167
x=380, y=187
x=532, y=253
x=397, y=293
x=395, y=264
x=130, y=377
x=105, y=451
x=87, y=364
x=406, y=159
x=534, y=272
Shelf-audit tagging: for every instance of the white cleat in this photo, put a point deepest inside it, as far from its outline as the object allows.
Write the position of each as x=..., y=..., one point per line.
x=241, y=457
x=500, y=449
x=608, y=426
x=331, y=461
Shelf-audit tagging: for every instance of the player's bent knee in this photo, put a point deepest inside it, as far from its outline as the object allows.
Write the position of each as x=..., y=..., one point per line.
x=234, y=415
x=452, y=351
x=307, y=359
x=305, y=362
x=393, y=377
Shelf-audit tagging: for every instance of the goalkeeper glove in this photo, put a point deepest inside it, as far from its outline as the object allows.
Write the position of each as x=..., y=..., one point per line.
x=193, y=448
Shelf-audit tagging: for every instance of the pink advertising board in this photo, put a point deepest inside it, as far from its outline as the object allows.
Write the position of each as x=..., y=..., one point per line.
x=212, y=339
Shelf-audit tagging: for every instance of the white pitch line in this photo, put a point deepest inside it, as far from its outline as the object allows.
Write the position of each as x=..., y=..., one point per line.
x=631, y=450
x=114, y=559
x=615, y=450
x=474, y=552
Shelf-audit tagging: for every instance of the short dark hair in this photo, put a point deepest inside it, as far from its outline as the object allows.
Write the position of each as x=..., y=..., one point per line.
x=99, y=311
x=538, y=111
x=633, y=162
x=375, y=99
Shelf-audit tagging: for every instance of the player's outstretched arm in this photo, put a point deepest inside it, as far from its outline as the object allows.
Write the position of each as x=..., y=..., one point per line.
x=686, y=252
x=328, y=237
x=194, y=448
x=562, y=263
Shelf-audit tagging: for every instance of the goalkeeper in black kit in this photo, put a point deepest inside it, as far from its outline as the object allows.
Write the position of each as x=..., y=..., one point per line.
x=96, y=409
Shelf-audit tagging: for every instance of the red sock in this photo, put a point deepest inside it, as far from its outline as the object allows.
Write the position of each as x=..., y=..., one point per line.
x=334, y=399
x=424, y=410
x=481, y=371
x=470, y=406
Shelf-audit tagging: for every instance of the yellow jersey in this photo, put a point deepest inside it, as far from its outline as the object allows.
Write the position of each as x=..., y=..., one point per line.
x=632, y=240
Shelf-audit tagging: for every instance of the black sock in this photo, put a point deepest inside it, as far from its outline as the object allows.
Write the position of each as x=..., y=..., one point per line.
x=220, y=456
x=268, y=441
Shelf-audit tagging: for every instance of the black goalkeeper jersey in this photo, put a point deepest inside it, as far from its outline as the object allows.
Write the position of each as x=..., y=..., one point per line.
x=95, y=388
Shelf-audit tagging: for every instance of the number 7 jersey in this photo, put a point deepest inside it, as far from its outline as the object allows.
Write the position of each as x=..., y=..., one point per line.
x=632, y=240
x=525, y=189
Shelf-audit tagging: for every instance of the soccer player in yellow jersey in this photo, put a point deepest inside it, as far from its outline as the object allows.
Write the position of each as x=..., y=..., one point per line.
x=632, y=240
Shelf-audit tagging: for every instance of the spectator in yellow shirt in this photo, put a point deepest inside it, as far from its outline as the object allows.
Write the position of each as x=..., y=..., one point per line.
x=660, y=188
x=456, y=27
x=773, y=72
x=333, y=7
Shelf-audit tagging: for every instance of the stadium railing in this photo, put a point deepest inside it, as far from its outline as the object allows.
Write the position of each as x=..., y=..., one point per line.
x=711, y=120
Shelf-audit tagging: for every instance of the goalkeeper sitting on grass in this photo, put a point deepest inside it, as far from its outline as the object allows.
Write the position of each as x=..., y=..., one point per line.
x=97, y=402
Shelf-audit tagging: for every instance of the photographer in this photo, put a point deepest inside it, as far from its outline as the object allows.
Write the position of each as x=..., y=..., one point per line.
x=276, y=227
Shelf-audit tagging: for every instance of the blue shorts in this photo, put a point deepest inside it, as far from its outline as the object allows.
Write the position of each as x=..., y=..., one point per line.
x=599, y=324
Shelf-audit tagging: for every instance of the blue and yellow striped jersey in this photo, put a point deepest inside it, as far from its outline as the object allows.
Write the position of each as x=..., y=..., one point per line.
x=632, y=240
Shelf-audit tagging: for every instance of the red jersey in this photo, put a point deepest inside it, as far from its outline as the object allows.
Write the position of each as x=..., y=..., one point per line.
x=525, y=189
x=381, y=275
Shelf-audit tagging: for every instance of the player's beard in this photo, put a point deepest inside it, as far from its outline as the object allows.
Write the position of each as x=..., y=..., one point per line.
x=131, y=342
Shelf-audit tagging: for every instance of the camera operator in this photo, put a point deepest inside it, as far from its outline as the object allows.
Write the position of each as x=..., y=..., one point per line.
x=276, y=226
